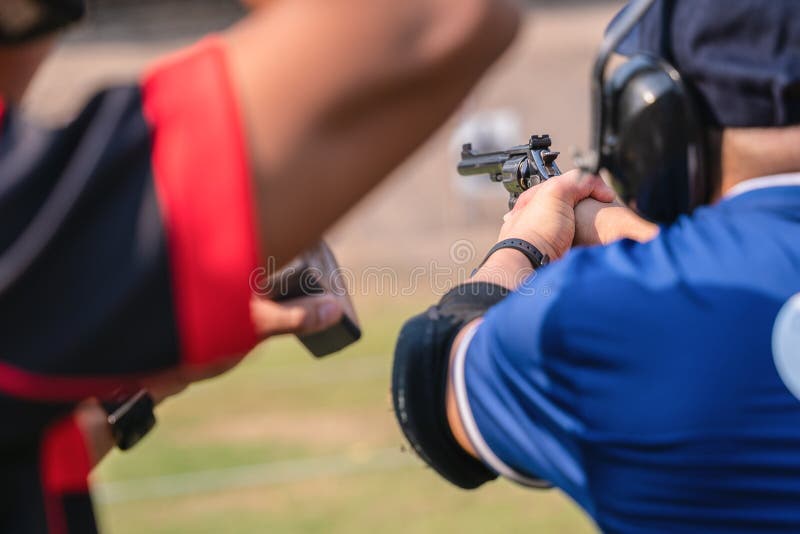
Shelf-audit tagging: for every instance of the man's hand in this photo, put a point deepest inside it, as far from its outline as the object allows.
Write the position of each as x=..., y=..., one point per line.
x=545, y=215
x=599, y=223
x=305, y=315
x=349, y=88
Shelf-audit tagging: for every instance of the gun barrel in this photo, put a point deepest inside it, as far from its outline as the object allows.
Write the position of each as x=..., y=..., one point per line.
x=482, y=164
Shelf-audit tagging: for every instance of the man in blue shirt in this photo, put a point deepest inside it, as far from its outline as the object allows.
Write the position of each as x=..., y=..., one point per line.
x=652, y=373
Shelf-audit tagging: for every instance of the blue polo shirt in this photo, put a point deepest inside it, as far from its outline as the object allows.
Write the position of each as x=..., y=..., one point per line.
x=641, y=379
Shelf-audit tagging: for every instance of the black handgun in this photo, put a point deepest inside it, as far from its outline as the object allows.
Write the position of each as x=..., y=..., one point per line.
x=518, y=168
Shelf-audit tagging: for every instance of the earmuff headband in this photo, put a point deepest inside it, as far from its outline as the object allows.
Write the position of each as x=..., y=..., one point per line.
x=628, y=21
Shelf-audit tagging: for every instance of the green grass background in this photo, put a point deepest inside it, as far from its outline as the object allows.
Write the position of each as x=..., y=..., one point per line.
x=281, y=405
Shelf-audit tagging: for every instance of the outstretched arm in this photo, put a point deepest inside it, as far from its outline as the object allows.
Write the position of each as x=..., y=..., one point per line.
x=550, y=217
x=336, y=93
x=432, y=346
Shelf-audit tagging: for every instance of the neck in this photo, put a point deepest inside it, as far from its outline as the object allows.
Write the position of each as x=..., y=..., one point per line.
x=18, y=64
x=754, y=152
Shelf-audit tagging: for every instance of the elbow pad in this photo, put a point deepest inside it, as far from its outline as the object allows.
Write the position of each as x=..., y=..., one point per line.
x=419, y=381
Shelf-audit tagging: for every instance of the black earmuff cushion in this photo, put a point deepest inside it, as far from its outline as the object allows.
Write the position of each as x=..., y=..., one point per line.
x=655, y=148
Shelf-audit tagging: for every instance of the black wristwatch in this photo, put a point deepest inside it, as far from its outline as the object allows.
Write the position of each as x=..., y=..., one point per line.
x=130, y=415
x=534, y=255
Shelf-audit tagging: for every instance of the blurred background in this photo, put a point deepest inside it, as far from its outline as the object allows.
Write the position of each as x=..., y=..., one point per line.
x=289, y=444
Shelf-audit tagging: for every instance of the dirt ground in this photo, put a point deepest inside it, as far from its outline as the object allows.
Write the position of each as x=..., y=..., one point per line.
x=418, y=214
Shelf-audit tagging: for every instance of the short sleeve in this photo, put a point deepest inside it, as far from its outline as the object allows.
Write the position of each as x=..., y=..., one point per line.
x=516, y=415
x=552, y=362
x=129, y=234
x=202, y=176
x=637, y=377
x=581, y=357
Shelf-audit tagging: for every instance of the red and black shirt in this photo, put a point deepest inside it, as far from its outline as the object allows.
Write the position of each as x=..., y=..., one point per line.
x=148, y=271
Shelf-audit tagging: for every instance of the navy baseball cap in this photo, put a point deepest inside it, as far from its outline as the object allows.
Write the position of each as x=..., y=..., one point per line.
x=742, y=57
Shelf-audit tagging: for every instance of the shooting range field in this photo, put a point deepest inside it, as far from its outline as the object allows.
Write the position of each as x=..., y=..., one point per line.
x=285, y=443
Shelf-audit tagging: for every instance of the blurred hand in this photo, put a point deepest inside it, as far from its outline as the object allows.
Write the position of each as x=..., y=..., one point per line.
x=305, y=315
x=599, y=223
x=545, y=214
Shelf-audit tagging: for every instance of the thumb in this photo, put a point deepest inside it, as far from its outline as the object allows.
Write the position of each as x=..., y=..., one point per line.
x=601, y=191
x=582, y=186
x=304, y=315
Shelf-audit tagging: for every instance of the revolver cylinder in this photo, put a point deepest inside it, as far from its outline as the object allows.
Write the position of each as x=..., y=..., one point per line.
x=518, y=168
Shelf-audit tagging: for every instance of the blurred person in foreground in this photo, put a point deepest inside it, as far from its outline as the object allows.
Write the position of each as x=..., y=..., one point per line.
x=128, y=237
x=651, y=372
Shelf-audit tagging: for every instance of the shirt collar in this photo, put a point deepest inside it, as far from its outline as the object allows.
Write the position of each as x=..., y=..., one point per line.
x=754, y=184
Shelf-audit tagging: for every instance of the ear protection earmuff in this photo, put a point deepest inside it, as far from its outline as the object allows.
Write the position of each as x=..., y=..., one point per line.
x=25, y=20
x=646, y=129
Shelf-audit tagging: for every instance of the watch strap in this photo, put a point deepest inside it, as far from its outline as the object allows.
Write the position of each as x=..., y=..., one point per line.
x=534, y=255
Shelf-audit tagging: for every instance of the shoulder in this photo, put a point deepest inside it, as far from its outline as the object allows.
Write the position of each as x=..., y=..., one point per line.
x=716, y=246
x=735, y=247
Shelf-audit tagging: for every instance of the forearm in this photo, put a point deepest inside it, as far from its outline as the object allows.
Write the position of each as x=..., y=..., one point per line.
x=507, y=268
x=332, y=108
x=93, y=419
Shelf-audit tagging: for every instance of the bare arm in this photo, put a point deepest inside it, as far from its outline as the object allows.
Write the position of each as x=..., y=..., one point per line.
x=507, y=268
x=336, y=93
x=303, y=315
x=547, y=217
x=578, y=209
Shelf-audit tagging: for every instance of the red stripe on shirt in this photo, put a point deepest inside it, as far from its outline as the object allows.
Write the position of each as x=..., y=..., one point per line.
x=21, y=384
x=65, y=468
x=203, y=182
